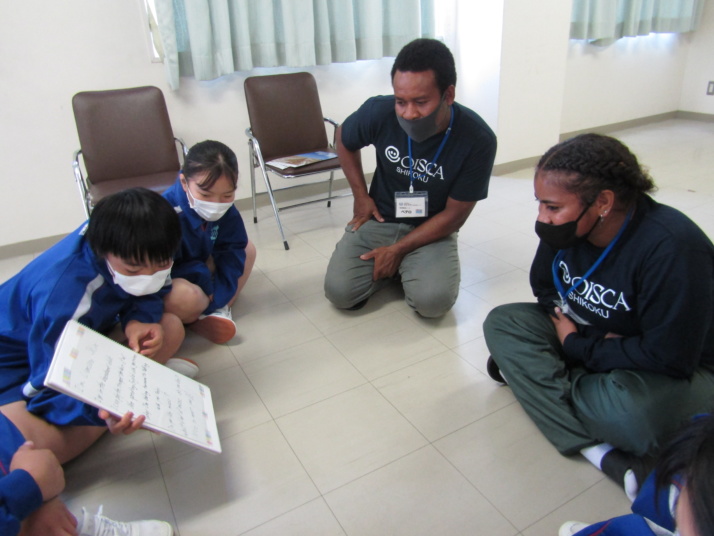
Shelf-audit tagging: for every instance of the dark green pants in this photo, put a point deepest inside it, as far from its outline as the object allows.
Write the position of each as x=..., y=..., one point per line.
x=635, y=411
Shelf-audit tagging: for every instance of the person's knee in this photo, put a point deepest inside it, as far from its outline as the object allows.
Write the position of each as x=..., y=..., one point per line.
x=432, y=302
x=498, y=319
x=174, y=335
x=186, y=300
x=341, y=291
x=251, y=253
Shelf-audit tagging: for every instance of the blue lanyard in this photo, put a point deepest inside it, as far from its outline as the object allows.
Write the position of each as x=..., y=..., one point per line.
x=436, y=156
x=561, y=253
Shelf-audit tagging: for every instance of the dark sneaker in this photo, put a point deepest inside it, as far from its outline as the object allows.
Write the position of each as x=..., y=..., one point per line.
x=617, y=464
x=494, y=372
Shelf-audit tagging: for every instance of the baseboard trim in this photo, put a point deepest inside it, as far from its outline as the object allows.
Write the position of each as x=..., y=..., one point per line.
x=530, y=163
x=695, y=116
x=29, y=247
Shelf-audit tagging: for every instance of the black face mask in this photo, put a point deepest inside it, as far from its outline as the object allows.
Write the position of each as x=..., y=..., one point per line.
x=562, y=236
x=424, y=127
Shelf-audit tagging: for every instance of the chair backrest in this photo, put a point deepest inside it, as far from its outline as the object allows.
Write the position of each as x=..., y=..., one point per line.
x=124, y=133
x=285, y=114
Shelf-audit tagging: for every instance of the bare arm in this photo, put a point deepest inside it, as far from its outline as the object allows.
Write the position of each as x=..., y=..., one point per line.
x=351, y=162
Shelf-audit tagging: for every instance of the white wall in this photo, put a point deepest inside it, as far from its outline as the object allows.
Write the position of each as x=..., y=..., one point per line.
x=632, y=78
x=532, y=71
x=639, y=77
x=700, y=66
x=515, y=68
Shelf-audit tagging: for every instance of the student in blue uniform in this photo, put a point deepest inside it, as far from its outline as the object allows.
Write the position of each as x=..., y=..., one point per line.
x=215, y=258
x=111, y=271
x=677, y=498
x=31, y=480
x=618, y=353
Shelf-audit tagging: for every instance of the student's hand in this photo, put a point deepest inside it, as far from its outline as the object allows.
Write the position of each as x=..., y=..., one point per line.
x=126, y=425
x=611, y=335
x=211, y=264
x=51, y=519
x=43, y=466
x=144, y=339
x=364, y=209
x=386, y=262
x=563, y=325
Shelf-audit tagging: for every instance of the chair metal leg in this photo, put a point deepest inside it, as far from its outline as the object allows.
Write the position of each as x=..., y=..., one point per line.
x=329, y=190
x=252, y=180
x=269, y=189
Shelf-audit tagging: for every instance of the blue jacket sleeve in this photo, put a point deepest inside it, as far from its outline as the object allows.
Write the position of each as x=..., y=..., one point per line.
x=19, y=497
x=229, y=257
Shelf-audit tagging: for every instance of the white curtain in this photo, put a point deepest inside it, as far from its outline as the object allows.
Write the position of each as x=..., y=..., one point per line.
x=210, y=38
x=604, y=21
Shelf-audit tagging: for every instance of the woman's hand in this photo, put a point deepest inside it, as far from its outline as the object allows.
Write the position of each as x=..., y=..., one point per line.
x=563, y=325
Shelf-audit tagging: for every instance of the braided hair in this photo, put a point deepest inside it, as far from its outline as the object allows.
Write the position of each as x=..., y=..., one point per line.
x=591, y=163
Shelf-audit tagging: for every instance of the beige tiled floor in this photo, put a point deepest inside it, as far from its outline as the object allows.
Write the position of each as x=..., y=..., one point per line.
x=375, y=422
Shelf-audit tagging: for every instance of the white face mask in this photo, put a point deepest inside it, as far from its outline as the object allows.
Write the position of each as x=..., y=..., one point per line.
x=140, y=285
x=208, y=210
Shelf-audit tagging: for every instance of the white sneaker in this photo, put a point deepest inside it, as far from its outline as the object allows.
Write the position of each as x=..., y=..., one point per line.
x=218, y=327
x=98, y=525
x=183, y=366
x=569, y=528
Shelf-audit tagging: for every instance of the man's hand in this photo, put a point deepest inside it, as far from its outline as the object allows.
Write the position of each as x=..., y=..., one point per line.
x=363, y=210
x=386, y=261
x=563, y=325
x=126, y=425
x=43, y=466
x=144, y=339
x=51, y=519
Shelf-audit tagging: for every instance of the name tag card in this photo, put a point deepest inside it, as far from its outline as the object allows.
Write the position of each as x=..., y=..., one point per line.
x=411, y=205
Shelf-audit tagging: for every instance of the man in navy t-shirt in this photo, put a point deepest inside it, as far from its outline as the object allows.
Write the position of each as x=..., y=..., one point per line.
x=434, y=162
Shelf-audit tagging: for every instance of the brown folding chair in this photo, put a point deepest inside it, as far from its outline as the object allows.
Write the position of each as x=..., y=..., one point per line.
x=285, y=120
x=126, y=140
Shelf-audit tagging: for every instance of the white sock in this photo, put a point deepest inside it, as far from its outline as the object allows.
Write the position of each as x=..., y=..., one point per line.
x=596, y=453
x=632, y=487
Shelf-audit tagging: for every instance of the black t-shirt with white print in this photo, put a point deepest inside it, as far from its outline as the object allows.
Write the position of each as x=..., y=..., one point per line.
x=655, y=289
x=463, y=169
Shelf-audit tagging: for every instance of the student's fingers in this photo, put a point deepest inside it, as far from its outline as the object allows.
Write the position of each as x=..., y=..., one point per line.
x=135, y=425
x=118, y=425
x=133, y=343
x=27, y=445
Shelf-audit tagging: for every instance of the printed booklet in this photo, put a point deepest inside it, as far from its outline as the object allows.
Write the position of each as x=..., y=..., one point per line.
x=105, y=374
x=301, y=159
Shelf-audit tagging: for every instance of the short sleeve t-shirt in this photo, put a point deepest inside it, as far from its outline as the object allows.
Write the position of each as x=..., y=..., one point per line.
x=462, y=171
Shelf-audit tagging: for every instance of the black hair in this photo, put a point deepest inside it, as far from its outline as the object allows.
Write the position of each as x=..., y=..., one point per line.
x=427, y=55
x=594, y=162
x=214, y=158
x=690, y=456
x=137, y=225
